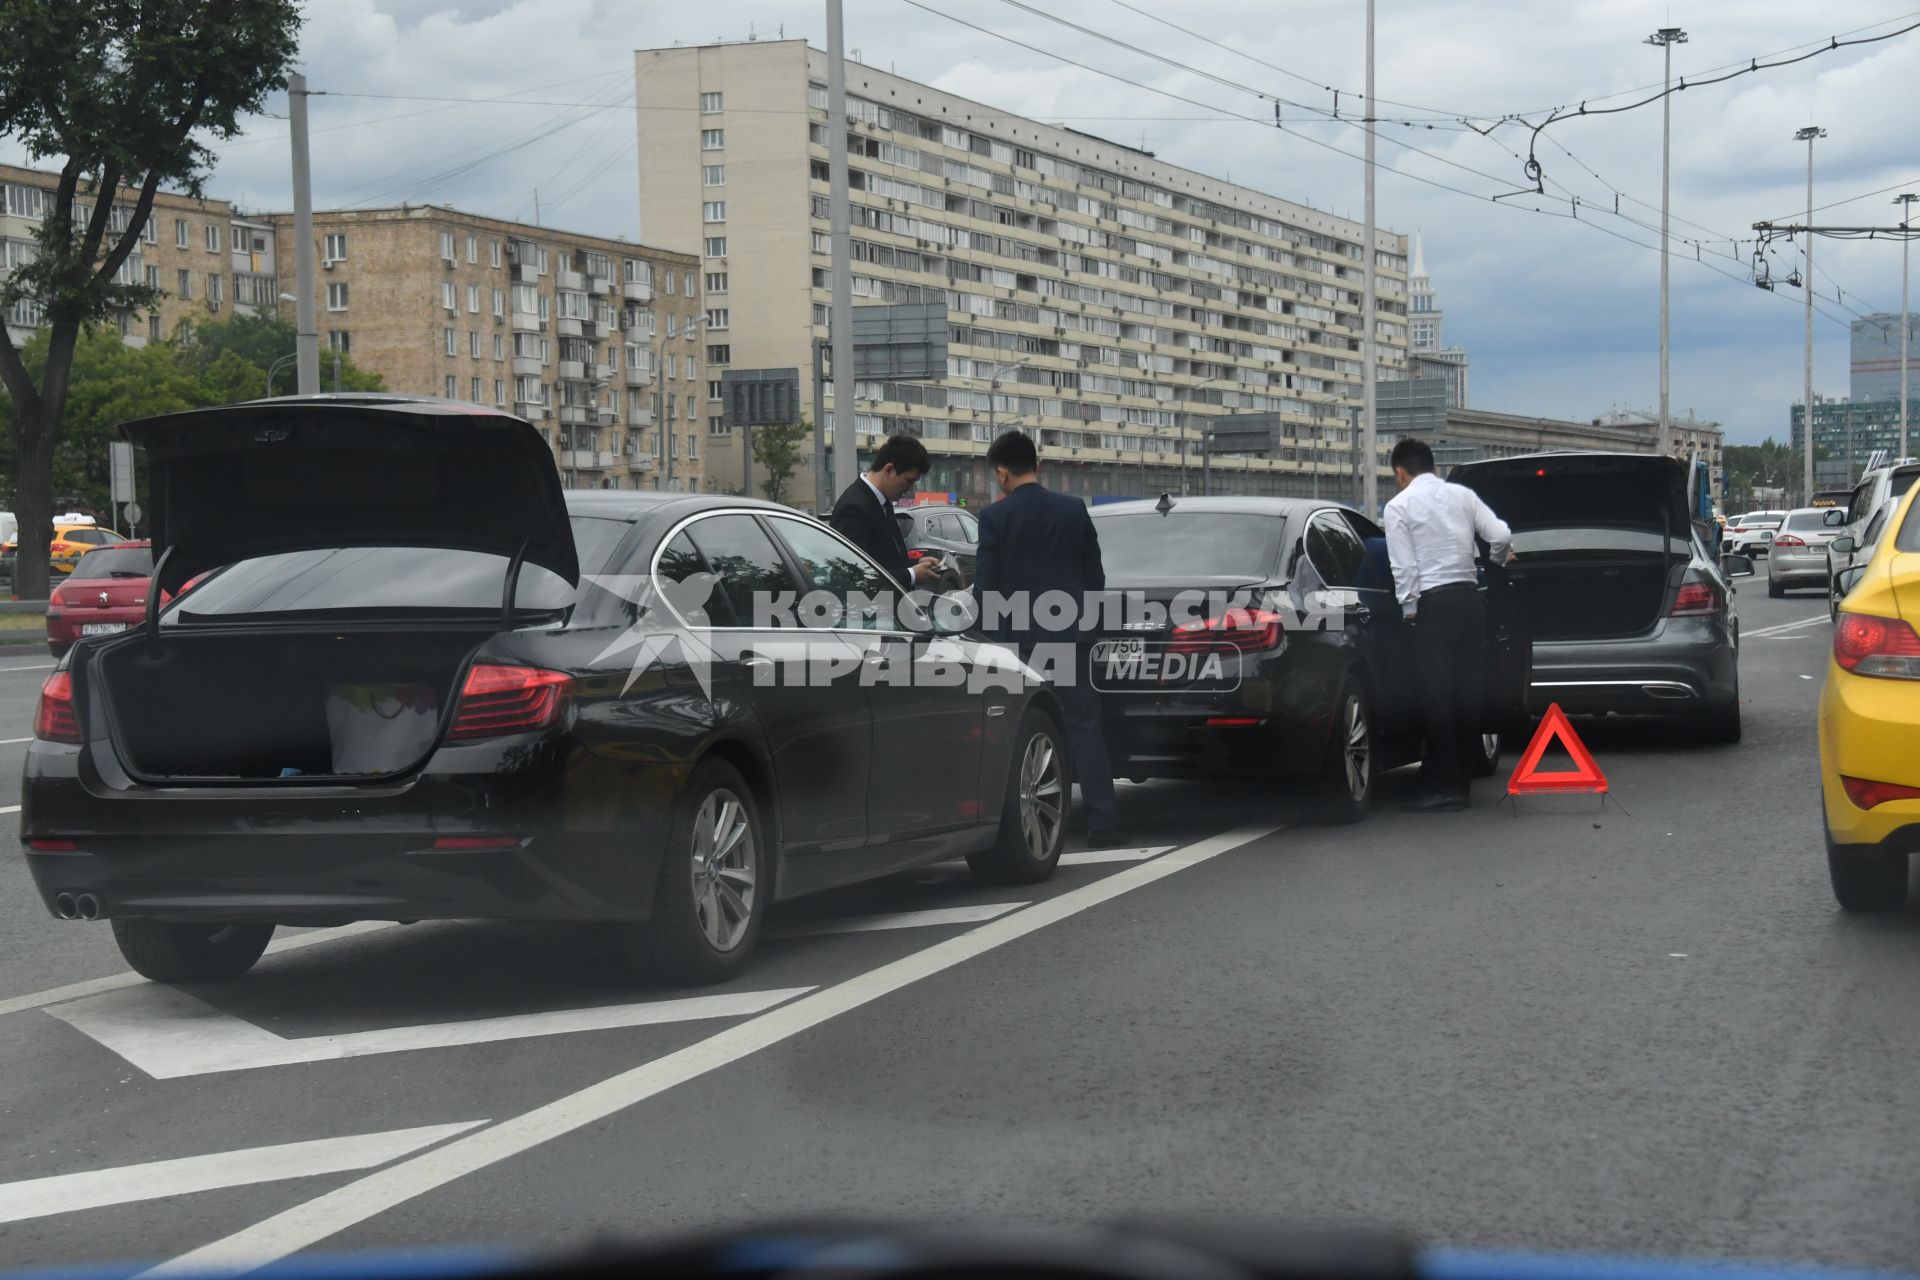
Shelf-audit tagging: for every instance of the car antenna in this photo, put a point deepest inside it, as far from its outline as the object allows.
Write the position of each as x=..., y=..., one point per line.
x=1165, y=504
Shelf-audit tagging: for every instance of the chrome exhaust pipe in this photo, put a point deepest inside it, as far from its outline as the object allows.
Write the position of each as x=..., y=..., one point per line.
x=88, y=906
x=64, y=906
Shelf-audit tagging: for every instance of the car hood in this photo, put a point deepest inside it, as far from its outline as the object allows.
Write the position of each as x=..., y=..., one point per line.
x=269, y=477
x=1582, y=490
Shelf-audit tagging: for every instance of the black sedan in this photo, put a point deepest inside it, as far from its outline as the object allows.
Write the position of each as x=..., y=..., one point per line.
x=945, y=533
x=1256, y=639
x=397, y=697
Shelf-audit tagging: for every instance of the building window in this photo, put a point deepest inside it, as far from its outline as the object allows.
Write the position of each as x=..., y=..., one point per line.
x=494, y=249
x=153, y=328
x=335, y=249
x=153, y=276
x=713, y=388
x=184, y=290
x=686, y=371
x=473, y=255
x=713, y=139
x=716, y=282
x=473, y=299
x=687, y=278
x=446, y=246
x=453, y=387
x=693, y=447
x=716, y=426
x=448, y=334
x=716, y=318
x=714, y=211
x=213, y=237
x=709, y=104
x=473, y=343
x=339, y=340
x=499, y=392
x=179, y=230
x=716, y=246
x=447, y=298
x=216, y=294
x=499, y=347
x=721, y=354
x=673, y=323
x=336, y=297
x=713, y=175
x=499, y=303
x=672, y=281
x=478, y=392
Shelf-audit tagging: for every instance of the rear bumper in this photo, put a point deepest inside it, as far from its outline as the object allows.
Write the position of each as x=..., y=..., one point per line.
x=1869, y=728
x=1166, y=735
x=1788, y=566
x=1683, y=668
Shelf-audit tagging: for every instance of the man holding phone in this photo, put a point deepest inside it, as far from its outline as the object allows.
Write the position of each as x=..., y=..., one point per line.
x=864, y=514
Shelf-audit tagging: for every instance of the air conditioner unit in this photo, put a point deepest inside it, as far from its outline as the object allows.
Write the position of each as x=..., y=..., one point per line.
x=326, y=264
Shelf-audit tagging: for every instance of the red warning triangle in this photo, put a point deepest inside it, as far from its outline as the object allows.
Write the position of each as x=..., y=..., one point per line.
x=1585, y=776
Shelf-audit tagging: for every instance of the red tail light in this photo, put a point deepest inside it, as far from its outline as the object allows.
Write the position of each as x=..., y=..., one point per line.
x=1235, y=631
x=500, y=700
x=915, y=553
x=476, y=842
x=56, y=720
x=1696, y=599
x=1873, y=646
x=1866, y=794
x=1788, y=540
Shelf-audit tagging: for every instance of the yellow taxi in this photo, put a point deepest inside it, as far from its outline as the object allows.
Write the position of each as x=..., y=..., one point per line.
x=1870, y=725
x=73, y=539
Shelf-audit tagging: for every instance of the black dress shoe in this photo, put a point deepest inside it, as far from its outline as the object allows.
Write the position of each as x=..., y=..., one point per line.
x=1435, y=804
x=1106, y=839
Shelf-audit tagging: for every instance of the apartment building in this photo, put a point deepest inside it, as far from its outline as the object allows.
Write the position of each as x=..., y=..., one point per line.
x=208, y=258
x=1105, y=301
x=590, y=339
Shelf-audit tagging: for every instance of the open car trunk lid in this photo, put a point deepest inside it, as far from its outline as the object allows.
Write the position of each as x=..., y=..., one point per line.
x=1583, y=491
x=273, y=476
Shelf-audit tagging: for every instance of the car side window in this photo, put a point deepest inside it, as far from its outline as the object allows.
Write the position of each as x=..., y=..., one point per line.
x=830, y=565
x=1335, y=550
x=682, y=564
x=739, y=551
x=1857, y=505
x=905, y=520
x=969, y=528
x=950, y=528
x=1875, y=527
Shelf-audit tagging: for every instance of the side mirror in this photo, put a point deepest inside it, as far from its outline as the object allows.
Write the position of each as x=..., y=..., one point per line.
x=1736, y=566
x=1844, y=544
x=1837, y=516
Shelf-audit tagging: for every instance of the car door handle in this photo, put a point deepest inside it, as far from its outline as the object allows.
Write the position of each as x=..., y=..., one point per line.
x=754, y=661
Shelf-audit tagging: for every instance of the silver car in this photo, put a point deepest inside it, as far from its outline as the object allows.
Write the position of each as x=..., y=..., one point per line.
x=1799, y=554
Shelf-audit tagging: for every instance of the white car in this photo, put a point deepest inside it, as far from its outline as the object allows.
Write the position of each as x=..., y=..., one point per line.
x=1752, y=534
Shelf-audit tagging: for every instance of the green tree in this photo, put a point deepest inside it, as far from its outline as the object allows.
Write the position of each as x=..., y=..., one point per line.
x=124, y=94
x=778, y=452
x=255, y=342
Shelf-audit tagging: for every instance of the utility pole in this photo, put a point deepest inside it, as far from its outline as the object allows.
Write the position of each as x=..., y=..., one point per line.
x=846, y=434
x=1807, y=135
x=821, y=493
x=1369, y=473
x=1666, y=38
x=306, y=342
x=1906, y=318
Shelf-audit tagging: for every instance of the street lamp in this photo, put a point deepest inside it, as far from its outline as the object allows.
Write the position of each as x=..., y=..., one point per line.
x=1807, y=135
x=1665, y=38
x=1906, y=320
x=275, y=368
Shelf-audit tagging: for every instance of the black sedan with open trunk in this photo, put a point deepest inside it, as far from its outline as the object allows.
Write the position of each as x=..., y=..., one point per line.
x=394, y=695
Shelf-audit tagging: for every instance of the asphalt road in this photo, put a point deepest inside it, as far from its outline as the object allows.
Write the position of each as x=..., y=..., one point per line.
x=1643, y=1028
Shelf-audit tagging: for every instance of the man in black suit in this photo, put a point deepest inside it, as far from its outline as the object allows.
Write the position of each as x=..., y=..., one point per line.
x=1034, y=542
x=864, y=513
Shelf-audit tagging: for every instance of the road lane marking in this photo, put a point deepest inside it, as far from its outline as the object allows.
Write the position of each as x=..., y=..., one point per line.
x=14, y=742
x=900, y=920
x=1093, y=857
x=307, y=1224
x=115, y=981
x=45, y=666
x=169, y=1034
x=160, y=1179
x=1784, y=626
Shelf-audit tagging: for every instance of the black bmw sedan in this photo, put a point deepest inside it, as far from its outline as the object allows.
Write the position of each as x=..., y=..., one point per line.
x=1261, y=639
x=423, y=683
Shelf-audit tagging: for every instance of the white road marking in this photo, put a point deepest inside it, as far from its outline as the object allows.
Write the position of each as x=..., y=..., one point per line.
x=113, y=982
x=12, y=808
x=45, y=666
x=1777, y=628
x=97, y=1188
x=900, y=920
x=168, y=1034
x=1092, y=857
x=294, y=1229
x=1806, y=677
x=14, y=742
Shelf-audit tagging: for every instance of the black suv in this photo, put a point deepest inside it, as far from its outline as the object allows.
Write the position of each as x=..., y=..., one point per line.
x=942, y=531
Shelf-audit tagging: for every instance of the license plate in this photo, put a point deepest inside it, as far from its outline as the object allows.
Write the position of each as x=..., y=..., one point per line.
x=102, y=628
x=1120, y=650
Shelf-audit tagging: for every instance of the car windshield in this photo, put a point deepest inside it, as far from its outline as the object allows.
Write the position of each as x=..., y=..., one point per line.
x=1147, y=545
x=115, y=562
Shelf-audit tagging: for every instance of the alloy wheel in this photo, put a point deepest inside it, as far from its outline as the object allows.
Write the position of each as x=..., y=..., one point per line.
x=1358, y=748
x=724, y=869
x=1041, y=795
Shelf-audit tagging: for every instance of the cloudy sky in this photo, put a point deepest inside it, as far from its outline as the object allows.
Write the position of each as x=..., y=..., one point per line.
x=1560, y=317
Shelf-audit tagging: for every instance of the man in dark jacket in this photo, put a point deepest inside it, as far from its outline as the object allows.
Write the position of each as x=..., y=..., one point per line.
x=864, y=513
x=1034, y=543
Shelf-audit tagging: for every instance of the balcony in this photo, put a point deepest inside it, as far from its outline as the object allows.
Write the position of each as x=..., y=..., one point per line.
x=567, y=326
x=607, y=414
x=571, y=281
x=528, y=322
x=585, y=460
x=532, y=410
x=570, y=370
x=638, y=334
x=641, y=461
x=634, y=291
x=603, y=373
x=600, y=284
x=575, y=414
x=526, y=366
x=638, y=416
x=638, y=377
x=525, y=273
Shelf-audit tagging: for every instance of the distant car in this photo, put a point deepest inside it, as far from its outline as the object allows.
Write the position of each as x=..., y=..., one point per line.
x=1629, y=610
x=104, y=595
x=1798, y=557
x=1751, y=534
x=1869, y=724
x=1869, y=509
x=73, y=540
x=942, y=532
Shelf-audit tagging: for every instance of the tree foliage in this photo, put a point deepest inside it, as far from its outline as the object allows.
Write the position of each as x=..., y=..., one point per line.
x=778, y=453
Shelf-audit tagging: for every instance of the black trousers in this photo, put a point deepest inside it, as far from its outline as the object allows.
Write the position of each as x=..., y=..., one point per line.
x=1070, y=667
x=1450, y=657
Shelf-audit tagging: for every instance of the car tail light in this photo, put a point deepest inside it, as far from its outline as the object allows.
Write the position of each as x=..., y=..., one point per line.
x=915, y=553
x=1865, y=793
x=1788, y=540
x=54, y=846
x=1868, y=645
x=499, y=700
x=1697, y=599
x=1235, y=631
x=56, y=720
x=476, y=842
x=1231, y=722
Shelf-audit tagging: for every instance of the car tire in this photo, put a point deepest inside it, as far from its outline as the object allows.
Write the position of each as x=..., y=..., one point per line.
x=1485, y=763
x=1867, y=882
x=1033, y=816
x=1720, y=722
x=165, y=951
x=713, y=883
x=1343, y=789
x=1775, y=590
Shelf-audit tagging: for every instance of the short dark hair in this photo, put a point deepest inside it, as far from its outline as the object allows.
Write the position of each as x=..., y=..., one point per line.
x=1014, y=450
x=905, y=453
x=1414, y=457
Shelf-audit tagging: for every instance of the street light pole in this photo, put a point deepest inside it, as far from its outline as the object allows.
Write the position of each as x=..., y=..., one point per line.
x=1906, y=319
x=1666, y=38
x=1370, y=479
x=275, y=368
x=1808, y=135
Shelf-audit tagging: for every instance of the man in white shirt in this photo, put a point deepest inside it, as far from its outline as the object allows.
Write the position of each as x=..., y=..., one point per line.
x=1432, y=527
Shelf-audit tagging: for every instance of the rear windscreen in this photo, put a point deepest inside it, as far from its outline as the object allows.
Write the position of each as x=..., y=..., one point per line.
x=115, y=562
x=1205, y=543
x=1807, y=520
x=400, y=579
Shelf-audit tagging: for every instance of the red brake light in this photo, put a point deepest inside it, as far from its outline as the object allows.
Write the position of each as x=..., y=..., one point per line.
x=1868, y=645
x=1231, y=722
x=476, y=842
x=1866, y=794
x=915, y=553
x=56, y=720
x=1696, y=599
x=1235, y=631
x=54, y=846
x=500, y=700
x=1788, y=540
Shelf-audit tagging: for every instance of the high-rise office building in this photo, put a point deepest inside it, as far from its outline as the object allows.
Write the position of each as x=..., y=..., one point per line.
x=1876, y=358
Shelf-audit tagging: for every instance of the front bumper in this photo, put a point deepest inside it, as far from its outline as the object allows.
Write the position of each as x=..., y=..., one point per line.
x=1869, y=728
x=1683, y=667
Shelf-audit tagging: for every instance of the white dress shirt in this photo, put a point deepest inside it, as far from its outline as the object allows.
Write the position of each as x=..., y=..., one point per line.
x=1431, y=527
